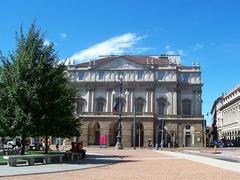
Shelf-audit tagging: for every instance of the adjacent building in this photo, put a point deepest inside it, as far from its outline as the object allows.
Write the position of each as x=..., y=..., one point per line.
x=166, y=95
x=226, y=115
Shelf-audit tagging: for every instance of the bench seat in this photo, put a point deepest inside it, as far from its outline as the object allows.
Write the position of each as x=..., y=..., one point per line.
x=31, y=159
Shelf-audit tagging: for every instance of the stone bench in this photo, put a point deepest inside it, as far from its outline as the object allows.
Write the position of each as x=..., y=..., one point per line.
x=31, y=159
x=69, y=156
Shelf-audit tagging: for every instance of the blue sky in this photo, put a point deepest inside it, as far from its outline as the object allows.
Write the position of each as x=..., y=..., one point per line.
x=207, y=31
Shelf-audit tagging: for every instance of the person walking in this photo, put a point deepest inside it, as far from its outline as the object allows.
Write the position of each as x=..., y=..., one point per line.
x=64, y=144
x=57, y=144
x=43, y=144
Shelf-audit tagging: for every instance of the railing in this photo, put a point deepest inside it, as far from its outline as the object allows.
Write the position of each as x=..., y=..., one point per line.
x=116, y=113
x=139, y=114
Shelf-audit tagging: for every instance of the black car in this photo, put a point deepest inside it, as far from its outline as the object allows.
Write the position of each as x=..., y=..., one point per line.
x=228, y=143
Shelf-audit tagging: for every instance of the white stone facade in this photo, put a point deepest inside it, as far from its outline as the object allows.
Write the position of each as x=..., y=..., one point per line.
x=163, y=90
x=227, y=114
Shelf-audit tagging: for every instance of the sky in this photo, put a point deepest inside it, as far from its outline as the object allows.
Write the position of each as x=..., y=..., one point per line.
x=207, y=31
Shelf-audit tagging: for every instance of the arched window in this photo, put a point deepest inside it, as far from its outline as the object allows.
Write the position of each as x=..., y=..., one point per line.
x=100, y=104
x=186, y=107
x=139, y=104
x=162, y=106
x=81, y=104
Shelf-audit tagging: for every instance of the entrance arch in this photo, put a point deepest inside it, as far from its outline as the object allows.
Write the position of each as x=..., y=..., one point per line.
x=139, y=135
x=93, y=133
x=113, y=131
x=188, y=136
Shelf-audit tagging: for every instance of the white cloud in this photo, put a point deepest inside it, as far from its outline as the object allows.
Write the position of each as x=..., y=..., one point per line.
x=171, y=52
x=177, y=52
x=180, y=51
x=63, y=35
x=197, y=46
x=46, y=42
x=114, y=46
x=167, y=47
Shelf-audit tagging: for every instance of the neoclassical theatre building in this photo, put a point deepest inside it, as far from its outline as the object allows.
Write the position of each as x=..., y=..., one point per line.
x=165, y=94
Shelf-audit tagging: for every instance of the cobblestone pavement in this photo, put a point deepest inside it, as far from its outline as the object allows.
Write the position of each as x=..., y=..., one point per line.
x=139, y=165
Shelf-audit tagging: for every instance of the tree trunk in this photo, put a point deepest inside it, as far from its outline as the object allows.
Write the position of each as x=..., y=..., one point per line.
x=23, y=145
x=46, y=144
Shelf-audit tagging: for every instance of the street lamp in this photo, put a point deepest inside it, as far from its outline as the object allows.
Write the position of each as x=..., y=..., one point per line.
x=120, y=95
x=204, y=132
x=162, y=133
x=134, y=124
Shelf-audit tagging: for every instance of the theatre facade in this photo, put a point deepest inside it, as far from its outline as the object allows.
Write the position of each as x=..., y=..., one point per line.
x=166, y=95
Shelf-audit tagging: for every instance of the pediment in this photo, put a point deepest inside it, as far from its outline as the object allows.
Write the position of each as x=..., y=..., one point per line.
x=120, y=64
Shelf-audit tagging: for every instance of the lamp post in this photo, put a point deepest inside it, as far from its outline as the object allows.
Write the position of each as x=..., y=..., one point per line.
x=204, y=132
x=119, y=135
x=162, y=133
x=134, y=124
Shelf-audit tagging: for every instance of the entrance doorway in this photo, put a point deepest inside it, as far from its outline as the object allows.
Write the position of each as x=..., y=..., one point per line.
x=188, y=141
x=139, y=135
x=93, y=133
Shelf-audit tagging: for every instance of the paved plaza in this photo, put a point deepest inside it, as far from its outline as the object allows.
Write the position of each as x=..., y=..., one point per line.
x=129, y=164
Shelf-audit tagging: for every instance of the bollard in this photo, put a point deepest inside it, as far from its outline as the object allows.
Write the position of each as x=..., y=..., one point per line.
x=157, y=146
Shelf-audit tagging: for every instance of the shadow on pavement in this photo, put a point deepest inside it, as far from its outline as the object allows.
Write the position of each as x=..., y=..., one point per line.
x=99, y=159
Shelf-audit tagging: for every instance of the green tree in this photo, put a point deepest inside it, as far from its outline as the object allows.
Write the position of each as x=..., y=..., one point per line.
x=55, y=108
x=41, y=95
x=6, y=106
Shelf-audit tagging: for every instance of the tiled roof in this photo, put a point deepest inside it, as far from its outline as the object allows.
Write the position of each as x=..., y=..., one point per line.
x=136, y=59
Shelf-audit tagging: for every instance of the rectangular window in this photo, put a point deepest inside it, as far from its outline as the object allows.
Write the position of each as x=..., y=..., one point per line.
x=161, y=75
x=140, y=74
x=101, y=75
x=80, y=75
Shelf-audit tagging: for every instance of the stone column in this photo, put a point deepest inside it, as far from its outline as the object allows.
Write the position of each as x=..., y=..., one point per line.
x=93, y=100
x=147, y=101
x=111, y=101
x=89, y=101
x=127, y=101
x=174, y=101
x=152, y=101
x=131, y=101
x=107, y=101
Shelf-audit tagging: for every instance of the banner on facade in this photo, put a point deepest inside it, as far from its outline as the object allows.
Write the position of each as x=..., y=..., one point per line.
x=103, y=140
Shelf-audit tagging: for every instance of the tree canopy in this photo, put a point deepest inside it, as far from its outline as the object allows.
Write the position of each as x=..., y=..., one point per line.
x=36, y=96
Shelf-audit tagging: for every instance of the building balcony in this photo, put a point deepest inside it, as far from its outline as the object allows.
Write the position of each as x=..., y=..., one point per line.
x=115, y=114
x=140, y=114
x=180, y=117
